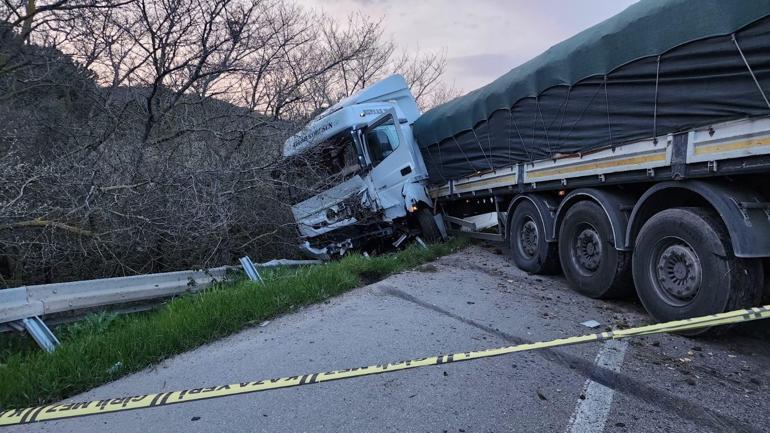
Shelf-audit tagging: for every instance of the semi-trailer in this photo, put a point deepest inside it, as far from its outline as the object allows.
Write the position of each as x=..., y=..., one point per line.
x=635, y=154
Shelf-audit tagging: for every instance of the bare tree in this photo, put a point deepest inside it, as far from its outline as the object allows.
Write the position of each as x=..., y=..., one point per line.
x=144, y=136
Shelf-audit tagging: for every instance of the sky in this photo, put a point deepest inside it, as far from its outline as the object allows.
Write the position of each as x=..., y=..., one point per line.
x=482, y=39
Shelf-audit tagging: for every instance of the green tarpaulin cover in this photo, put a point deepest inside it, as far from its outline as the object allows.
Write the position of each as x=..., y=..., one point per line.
x=605, y=85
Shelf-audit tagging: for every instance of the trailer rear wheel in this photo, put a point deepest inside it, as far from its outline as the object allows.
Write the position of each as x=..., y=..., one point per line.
x=681, y=270
x=526, y=239
x=428, y=226
x=591, y=263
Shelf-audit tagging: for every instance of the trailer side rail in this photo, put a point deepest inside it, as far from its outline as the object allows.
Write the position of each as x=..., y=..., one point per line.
x=707, y=145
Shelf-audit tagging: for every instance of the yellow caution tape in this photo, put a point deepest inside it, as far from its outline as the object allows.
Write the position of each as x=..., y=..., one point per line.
x=70, y=410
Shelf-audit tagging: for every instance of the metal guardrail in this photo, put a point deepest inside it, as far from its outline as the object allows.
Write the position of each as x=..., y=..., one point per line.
x=29, y=301
x=22, y=307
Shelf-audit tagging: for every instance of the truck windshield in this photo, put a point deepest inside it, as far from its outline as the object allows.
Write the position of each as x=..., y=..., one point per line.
x=381, y=140
x=328, y=164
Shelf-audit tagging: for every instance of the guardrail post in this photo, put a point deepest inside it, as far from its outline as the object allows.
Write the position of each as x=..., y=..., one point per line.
x=250, y=269
x=42, y=335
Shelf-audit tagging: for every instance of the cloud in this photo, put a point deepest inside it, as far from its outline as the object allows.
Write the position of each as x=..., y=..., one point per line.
x=483, y=65
x=470, y=71
x=483, y=39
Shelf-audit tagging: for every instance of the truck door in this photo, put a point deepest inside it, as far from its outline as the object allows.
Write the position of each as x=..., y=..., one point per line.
x=391, y=162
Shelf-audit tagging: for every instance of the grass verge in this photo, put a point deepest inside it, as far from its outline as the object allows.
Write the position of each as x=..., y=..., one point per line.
x=105, y=347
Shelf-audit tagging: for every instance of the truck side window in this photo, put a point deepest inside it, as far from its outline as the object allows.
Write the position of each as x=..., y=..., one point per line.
x=381, y=141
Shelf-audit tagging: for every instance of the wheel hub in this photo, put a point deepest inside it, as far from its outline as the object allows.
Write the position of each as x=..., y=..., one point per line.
x=679, y=272
x=528, y=238
x=588, y=249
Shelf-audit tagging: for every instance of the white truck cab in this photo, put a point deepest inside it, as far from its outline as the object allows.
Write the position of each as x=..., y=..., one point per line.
x=376, y=175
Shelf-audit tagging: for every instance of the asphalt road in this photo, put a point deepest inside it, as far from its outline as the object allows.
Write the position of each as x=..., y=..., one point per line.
x=473, y=299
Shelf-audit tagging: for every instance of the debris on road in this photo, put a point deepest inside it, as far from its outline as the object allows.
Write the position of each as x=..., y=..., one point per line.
x=428, y=268
x=591, y=324
x=115, y=368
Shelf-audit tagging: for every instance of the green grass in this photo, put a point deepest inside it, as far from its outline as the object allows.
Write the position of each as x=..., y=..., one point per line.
x=105, y=347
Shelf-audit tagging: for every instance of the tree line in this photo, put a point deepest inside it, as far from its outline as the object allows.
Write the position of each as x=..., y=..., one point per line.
x=143, y=136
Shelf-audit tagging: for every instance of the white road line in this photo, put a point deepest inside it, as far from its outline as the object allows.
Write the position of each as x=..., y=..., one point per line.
x=591, y=413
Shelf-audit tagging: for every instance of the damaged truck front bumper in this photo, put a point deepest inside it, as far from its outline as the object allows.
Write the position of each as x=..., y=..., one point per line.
x=328, y=248
x=326, y=253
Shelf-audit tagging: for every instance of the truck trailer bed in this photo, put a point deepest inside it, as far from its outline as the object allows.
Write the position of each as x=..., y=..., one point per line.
x=736, y=147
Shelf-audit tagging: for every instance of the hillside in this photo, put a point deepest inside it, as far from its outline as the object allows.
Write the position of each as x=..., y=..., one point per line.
x=86, y=194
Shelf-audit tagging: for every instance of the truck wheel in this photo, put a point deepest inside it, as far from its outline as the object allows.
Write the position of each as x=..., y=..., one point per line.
x=428, y=226
x=588, y=256
x=680, y=272
x=526, y=239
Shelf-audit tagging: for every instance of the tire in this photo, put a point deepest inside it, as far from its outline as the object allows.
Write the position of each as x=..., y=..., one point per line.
x=428, y=227
x=680, y=271
x=526, y=239
x=588, y=256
